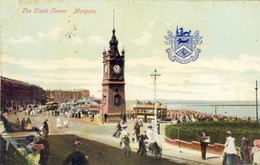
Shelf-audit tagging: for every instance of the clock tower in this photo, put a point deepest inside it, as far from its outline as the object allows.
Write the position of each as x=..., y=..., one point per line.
x=113, y=85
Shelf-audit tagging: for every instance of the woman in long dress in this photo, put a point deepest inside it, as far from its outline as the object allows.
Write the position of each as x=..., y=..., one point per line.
x=66, y=121
x=58, y=122
x=245, y=150
x=230, y=152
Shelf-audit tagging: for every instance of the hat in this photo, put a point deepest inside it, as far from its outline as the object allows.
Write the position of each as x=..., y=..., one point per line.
x=228, y=132
x=257, y=143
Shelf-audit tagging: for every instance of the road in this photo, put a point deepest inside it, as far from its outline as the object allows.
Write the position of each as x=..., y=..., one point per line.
x=96, y=134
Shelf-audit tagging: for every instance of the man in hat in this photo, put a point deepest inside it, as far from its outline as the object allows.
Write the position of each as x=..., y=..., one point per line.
x=137, y=131
x=203, y=143
x=76, y=157
x=45, y=129
x=142, y=145
x=118, y=130
x=126, y=142
x=45, y=152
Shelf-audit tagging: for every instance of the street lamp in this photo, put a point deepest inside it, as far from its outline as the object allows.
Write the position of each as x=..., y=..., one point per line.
x=155, y=75
x=101, y=105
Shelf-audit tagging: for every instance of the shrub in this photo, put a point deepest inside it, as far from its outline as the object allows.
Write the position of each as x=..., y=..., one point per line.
x=216, y=130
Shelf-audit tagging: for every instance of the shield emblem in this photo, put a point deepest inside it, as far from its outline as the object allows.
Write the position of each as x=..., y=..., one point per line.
x=183, y=46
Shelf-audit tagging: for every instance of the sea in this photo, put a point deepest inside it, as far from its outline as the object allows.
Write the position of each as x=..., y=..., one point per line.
x=227, y=108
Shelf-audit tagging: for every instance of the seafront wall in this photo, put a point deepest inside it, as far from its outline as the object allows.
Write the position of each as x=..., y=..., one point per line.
x=215, y=148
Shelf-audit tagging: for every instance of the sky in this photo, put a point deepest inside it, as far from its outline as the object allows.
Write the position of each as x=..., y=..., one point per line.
x=65, y=50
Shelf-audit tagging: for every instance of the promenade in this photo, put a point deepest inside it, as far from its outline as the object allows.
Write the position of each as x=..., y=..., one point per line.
x=102, y=133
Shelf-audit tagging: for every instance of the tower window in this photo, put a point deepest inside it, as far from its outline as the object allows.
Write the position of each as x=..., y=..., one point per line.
x=117, y=100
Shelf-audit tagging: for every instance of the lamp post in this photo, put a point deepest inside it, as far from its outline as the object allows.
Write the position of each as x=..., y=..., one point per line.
x=256, y=103
x=101, y=106
x=155, y=75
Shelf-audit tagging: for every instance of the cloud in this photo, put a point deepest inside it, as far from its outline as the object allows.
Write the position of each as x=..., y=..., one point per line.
x=97, y=40
x=69, y=63
x=239, y=64
x=146, y=61
x=21, y=39
x=50, y=33
x=151, y=24
x=144, y=39
x=40, y=35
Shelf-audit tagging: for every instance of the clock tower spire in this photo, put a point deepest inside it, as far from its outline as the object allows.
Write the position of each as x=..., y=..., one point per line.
x=113, y=85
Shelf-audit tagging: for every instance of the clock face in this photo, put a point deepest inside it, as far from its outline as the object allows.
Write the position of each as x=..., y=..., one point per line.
x=117, y=69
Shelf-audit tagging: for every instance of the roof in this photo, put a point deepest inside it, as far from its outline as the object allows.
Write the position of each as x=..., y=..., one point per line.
x=49, y=103
x=149, y=106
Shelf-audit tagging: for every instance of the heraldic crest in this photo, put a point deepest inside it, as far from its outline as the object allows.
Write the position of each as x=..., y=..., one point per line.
x=183, y=45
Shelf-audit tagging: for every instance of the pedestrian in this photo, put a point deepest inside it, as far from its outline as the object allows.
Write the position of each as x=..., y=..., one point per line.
x=244, y=149
x=23, y=124
x=17, y=123
x=118, y=131
x=92, y=116
x=58, y=122
x=124, y=118
x=2, y=128
x=77, y=143
x=230, y=152
x=135, y=121
x=28, y=124
x=140, y=122
x=66, y=121
x=126, y=142
x=76, y=157
x=142, y=144
x=150, y=134
x=44, y=153
x=105, y=116
x=137, y=131
x=204, y=140
x=256, y=151
x=14, y=110
x=45, y=128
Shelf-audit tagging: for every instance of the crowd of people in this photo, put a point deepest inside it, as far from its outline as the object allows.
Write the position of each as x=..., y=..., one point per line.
x=230, y=152
x=182, y=116
x=146, y=141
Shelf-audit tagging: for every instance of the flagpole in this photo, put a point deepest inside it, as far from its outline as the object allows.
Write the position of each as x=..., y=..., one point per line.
x=256, y=103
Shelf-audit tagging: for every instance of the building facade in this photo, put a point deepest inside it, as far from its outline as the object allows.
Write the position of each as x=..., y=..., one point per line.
x=64, y=96
x=16, y=93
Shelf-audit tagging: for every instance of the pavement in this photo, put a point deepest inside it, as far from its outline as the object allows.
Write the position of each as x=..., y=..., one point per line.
x=99, y=132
